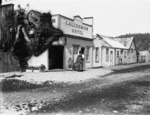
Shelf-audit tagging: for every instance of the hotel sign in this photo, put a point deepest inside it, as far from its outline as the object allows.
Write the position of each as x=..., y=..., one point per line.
x=76, y=28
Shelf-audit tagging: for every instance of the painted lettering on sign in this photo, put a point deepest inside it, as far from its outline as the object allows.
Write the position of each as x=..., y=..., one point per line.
x=77, y=31
x=72, y=24
x=75, y=28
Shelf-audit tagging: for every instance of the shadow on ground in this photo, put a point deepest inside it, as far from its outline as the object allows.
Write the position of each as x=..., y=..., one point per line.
x=114, y=98
x=133, y=69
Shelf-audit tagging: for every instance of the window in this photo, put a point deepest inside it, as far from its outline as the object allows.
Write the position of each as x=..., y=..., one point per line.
x=75, y=49
x=131, y=50
x=122, y=51
x=128, y=52
x=117, y=54
x=88, y=54
x=125, y=54
x=96, y=54
x=107, y=54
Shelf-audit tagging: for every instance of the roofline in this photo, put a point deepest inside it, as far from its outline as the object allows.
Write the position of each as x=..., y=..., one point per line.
x=115, y=47
x=127, y=37
x=107, y=43
x=70, y=19
x=133, y=41
x=6, y=5
x=78, y=37
x=78, y=16
x=87, y=17
x=105, y=36
x=101, y=36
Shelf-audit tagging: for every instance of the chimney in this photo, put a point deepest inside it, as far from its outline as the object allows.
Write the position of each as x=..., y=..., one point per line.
x=88, y=20
x=0, y=2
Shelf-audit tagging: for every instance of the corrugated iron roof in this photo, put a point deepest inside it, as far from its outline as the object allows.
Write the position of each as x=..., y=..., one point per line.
x=110, y=42
x=125, y=41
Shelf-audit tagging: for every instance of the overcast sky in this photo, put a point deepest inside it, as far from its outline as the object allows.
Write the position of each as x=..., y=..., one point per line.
x=111, y=17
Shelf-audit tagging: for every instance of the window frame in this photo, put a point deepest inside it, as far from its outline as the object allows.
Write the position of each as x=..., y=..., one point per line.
x=75, y=49
x=88, y=54
x=117, y=54
x=107, y=54
x=125, y=54
x=97, y=54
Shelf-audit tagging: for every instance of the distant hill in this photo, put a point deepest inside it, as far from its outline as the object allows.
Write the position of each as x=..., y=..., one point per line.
x=141, y=40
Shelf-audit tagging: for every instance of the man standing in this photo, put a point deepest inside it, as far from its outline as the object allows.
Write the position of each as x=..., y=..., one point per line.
x=79, y=62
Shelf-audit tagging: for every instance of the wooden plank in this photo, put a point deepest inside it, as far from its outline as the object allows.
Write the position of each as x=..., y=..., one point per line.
x=8, y=63
x=6, y=23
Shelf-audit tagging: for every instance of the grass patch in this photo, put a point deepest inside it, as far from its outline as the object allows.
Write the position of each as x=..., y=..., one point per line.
x=9, y=85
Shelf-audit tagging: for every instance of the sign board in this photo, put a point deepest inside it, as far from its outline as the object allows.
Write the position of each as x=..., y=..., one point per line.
x=75, y=27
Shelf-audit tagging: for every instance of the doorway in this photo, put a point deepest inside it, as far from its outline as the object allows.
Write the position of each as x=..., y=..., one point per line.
x=111, y=58
x=82, y=50
x=56, y=57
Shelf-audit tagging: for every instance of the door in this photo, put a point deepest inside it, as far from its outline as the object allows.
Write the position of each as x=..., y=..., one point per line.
x=83, y=56
x=111, y=58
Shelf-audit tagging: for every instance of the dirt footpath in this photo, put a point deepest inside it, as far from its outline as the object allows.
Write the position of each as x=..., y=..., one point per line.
x=59, y=76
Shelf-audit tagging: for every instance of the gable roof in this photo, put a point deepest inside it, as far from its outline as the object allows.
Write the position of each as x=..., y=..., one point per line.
x=125, y=41
x=110, y=42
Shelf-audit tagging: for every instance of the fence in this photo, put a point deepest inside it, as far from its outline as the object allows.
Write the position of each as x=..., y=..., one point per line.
x=7, y=61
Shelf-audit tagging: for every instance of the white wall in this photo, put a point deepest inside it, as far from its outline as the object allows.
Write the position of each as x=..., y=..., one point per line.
x=108, y=63
x=55, y=20
x=69, y=50
x=145, y=53
x=37, y=61
x=97, y=44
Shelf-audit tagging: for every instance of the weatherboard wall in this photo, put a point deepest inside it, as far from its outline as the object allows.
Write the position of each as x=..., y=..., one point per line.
x=97, y=44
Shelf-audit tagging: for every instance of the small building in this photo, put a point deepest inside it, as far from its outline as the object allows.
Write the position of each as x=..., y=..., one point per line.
x=109, y=47
x=130, y=54
x=77, y=37
x=144, y=56
x=112, y=51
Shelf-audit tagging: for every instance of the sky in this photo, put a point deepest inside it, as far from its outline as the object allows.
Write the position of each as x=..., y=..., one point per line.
x=111, y=17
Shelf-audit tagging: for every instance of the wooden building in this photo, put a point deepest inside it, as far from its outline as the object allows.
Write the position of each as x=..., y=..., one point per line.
x=130, y=54
x=114, y=51
x=7, y=61
x=144, y=56
x=77, y=36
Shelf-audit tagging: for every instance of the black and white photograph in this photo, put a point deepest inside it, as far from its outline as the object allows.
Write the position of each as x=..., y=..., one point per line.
x=74, y=57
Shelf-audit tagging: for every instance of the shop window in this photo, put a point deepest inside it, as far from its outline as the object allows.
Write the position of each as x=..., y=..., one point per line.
x=75, y=49
x=97, y=54
x=88, y=54
x=107, y=54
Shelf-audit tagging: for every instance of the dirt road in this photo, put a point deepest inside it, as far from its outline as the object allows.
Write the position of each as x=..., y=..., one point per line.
x=116, y=93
